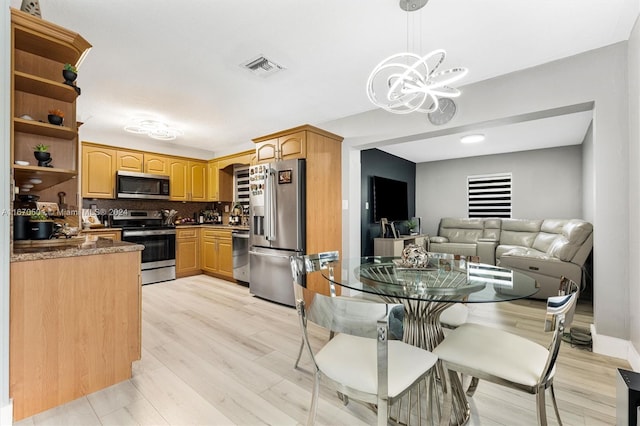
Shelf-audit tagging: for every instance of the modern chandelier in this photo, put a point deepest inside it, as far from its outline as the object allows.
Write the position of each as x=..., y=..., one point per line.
x=406, y=82
x=154, y=129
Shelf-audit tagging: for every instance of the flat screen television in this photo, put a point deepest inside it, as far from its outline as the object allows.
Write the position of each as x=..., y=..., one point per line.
x=389, y=199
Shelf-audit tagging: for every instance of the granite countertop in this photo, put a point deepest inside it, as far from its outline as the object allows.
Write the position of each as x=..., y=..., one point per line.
x=214, y=225
x=79, y=247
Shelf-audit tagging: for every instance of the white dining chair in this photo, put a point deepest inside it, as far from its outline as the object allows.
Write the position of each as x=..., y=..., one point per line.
x=487, y=353
x=360, y=361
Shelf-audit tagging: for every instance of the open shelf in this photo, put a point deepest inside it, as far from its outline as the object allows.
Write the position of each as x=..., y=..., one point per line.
x=50, y=176
x=61, y=45
x=43, y=129
x=43, y=87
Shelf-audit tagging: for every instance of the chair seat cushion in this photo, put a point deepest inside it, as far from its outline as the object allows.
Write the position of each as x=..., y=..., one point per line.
x=352, y=361
x=455, y=315
x=494, y=352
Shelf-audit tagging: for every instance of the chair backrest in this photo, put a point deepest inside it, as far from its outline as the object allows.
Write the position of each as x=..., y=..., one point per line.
x=560, y=311
x=339, y=314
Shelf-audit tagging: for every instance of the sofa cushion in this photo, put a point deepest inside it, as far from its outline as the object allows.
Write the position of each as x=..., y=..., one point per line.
x=519, y=232
x=574, y=234
x=461, y=230
x=543, y=241
x=492, y=228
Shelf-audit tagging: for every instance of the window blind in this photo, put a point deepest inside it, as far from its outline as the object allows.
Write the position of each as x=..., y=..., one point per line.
x=489, y=195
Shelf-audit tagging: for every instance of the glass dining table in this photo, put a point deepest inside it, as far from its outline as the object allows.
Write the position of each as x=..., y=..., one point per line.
x=425, y=292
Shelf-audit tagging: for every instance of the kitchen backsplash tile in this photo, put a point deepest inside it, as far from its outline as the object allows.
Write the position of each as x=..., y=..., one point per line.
x=184, y=209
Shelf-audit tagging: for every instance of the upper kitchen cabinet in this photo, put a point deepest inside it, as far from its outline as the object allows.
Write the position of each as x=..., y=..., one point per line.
x=156, y=164
x=39, y=51
x=187, y=179
x=98, y=171
x=281, y=146
x=130, y=161
x=220, y=175
x=198, y=180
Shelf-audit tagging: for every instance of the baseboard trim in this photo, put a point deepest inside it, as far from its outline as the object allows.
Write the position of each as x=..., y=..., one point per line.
x=6, y=414
x=615, y=347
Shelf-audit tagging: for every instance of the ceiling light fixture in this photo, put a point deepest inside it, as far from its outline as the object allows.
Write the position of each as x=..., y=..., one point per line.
x=404, y=83
x=472, y=138
x=154, y=129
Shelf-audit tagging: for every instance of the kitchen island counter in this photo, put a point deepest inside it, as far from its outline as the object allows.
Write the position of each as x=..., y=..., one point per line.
x=77, y=247
x=75, y=320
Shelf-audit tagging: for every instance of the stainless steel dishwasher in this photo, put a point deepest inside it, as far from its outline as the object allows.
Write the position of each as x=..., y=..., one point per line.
x=240, y=241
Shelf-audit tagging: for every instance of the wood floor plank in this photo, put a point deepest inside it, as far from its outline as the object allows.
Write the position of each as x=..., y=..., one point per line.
x=213, y=354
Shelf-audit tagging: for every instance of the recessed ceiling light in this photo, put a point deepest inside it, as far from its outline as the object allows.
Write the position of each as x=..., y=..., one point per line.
x=472, y=138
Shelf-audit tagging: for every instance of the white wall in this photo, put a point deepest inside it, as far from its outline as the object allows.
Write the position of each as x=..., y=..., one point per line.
x=5, y=73
x=546, y=183
x=598, y=76
x=634, y=189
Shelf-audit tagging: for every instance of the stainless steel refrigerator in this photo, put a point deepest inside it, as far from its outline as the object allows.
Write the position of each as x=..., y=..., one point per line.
x=277, y=205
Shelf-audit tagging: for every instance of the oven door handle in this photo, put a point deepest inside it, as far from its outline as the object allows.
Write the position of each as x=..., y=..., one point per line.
x=148, y=233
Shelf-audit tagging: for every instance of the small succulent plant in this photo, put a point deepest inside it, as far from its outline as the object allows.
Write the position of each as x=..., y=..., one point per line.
x=41, y=147
x=69, y=67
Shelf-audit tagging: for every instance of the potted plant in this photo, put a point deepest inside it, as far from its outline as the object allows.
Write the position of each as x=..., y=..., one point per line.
x=70, y=73
x=411, y=226
x=55, y=117
x=42, y=154
x=41, y=227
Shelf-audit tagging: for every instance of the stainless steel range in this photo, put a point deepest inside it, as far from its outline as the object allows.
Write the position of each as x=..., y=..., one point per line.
x=159, y=255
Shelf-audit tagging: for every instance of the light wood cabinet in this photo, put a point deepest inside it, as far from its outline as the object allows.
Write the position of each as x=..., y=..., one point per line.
x=285, y=147
x=187, y=179
x=323, y=153
x=156, y=164
x=39, y=50
x=197, y=183
x=109, y=233
x=217, y=252
x=98, y=171
x=220, y=175
x=131, y=161
x=74, y=327
x=213, y=181
x=178, y=176
x=187, y=252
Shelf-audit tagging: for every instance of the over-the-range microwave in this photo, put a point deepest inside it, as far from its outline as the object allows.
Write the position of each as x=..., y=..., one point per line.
x=142, y=185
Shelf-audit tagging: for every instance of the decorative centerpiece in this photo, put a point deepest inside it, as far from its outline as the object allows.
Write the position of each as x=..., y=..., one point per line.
x=55, y=117
x=42, y=154
x=413, y=256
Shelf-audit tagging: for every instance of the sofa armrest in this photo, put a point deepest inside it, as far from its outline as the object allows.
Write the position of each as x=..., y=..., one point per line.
x=487, y=250
x=439, y=239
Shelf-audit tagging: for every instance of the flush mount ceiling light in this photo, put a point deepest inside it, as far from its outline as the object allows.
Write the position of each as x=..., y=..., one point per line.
x=407, y=82
x=472, y=138
x=154, y=129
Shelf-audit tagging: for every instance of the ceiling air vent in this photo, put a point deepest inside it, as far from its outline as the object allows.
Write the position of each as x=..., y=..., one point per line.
x=262, y=66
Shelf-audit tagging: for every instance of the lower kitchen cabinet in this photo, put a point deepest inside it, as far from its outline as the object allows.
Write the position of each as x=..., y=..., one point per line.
x=216, y=252
x=187, y=252
x=109, y=233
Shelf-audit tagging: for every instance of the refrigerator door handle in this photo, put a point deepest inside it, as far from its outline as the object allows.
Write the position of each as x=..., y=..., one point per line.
x=257, y=253
x=271, y=205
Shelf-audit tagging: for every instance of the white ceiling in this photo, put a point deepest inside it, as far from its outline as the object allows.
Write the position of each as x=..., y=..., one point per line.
x=179, y=61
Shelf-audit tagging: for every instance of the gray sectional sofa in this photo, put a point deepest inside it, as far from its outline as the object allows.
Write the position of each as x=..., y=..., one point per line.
x=545, y=249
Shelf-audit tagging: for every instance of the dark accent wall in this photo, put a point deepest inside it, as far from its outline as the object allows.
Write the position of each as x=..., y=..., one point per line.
x=374, y=162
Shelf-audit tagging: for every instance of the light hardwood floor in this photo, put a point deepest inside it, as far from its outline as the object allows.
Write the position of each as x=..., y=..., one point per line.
x=215, y=355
